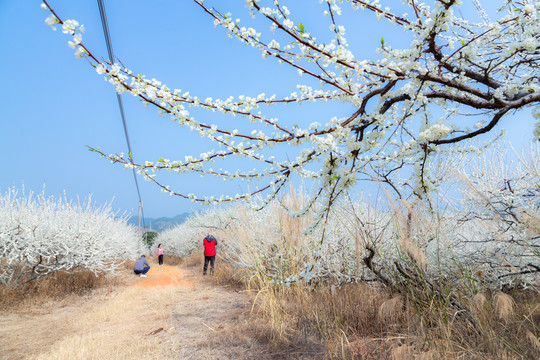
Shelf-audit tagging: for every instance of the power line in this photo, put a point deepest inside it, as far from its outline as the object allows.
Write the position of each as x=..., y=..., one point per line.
x=120, y=104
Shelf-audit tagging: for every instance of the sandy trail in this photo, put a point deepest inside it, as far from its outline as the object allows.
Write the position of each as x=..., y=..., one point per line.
x=164, y=276
x=174, y=313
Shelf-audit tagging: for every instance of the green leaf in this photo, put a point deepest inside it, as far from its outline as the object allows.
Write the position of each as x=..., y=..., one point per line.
x=382, y=42
x=462, y=42
x=301, y=27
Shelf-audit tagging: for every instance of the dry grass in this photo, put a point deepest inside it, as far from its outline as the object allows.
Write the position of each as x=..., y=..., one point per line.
x=57, y=308
x=129, y=317
x=193, y=261
x=534, y=340
x=225, y=274
x=500, y=331
x=229, y=276
x=391, y=309
x=172, y=260
x=504, y=305
x=479, y=301
x=55, y=286
x=68, y=315
x=403, y=352
x=359, y=321
x=352, y=321
x=355, y=321
x=193, y=319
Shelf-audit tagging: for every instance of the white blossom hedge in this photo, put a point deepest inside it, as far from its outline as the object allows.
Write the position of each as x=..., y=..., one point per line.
x=488, y=238
x=42, y=235
x=187, y=238
x=456, y=75
x=500, y=221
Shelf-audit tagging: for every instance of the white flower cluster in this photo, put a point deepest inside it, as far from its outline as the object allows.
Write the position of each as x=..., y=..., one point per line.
x=435, y=132
x=71, y=27
x=40, y=236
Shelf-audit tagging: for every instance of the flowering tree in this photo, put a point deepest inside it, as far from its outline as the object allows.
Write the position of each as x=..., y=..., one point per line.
x=454, y=80
x=40, y=236
x=499, y=227
x=489, y=239
x=186, y=238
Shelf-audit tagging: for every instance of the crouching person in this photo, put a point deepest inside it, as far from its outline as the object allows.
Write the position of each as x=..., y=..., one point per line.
x=141, y=266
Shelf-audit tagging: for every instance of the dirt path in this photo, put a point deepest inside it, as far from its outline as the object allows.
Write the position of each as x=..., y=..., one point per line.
x=174, y=313
x=165, y=275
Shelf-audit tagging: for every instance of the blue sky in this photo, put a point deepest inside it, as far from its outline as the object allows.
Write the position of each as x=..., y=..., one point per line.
x=54, y=105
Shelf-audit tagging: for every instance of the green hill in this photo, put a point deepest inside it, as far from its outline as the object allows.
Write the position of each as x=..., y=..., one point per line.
x=160, y=224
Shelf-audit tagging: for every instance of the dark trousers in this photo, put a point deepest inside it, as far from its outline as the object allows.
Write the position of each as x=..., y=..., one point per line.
x=143, y=271
x=210, y=259
x=160, y=259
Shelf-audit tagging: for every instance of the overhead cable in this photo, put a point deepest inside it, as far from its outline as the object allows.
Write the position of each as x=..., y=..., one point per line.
x=120, y=104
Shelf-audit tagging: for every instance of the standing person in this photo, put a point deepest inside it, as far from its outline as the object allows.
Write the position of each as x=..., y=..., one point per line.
x=141, y=266
x=209, y=243
x=159, y=253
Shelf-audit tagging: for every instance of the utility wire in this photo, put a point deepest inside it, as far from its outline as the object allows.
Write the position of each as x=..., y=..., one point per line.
x=120, y=104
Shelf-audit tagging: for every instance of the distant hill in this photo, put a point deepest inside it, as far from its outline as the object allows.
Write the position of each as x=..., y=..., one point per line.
x=160, y=224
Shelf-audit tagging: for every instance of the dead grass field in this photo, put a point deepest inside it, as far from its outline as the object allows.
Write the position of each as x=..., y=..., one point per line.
x=172, y=314
x=176, y=313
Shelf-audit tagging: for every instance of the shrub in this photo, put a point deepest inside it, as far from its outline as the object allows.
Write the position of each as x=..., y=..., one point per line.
x=40, y=236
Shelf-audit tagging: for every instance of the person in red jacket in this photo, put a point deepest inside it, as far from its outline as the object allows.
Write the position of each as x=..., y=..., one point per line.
x=209, y=243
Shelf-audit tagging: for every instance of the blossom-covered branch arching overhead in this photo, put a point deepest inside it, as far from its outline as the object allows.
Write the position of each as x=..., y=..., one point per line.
x=451, y=67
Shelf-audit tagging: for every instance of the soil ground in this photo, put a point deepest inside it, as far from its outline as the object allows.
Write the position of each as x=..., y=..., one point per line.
x=174, y=313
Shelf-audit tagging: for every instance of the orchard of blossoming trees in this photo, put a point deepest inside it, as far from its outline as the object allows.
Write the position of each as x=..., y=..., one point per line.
x=40, y=236
x=492, y=234
x=420, y=102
